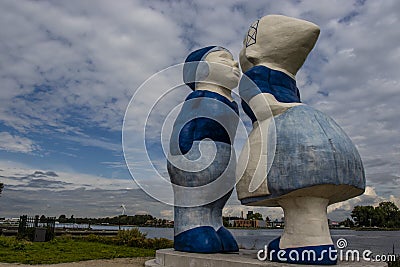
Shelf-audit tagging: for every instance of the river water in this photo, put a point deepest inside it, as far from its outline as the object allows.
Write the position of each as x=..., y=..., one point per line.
x=376, y=241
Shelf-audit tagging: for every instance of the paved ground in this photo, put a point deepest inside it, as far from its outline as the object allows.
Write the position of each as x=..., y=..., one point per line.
x=132, y=262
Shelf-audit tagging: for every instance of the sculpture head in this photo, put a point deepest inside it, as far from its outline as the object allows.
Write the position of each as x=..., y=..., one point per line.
x=213, y=66
x=278, y=42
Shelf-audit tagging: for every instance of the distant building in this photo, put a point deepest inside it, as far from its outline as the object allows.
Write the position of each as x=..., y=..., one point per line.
x=155, y=222
x=276, y=224
x=333, y=224
x=249, y=223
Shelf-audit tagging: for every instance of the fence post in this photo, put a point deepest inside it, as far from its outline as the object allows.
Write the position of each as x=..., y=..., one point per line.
x=22, y=223
x=36, y=221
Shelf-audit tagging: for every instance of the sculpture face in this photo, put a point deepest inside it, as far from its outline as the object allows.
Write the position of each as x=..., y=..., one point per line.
x=223, y=70
x=278, y=42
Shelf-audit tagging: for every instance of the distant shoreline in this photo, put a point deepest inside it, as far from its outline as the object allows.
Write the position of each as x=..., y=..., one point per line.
x=13, y=230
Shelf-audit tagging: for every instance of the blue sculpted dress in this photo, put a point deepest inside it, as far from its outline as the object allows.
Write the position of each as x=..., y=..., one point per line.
x=206, y=124
x=312, y=151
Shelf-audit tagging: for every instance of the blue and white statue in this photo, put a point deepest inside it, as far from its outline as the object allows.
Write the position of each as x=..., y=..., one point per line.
x=202, y=161
x=315, y=163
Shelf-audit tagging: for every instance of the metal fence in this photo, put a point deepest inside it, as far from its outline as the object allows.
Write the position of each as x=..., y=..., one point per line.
x=36, y=228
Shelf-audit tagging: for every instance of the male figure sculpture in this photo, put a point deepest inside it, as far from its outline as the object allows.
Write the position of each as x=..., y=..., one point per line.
x=202, y=161
x=315, y=163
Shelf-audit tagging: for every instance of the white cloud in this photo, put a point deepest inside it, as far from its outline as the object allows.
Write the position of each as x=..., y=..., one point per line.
x=22, y=177
x=14, y=143
x=167, y=214
x=99, y=142
x=90, y=56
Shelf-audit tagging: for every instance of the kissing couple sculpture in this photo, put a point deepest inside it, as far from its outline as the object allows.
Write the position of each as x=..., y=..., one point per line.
x=295, y=157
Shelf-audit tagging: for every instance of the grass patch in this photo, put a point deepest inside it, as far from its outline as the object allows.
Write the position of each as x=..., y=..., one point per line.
x=64, y=249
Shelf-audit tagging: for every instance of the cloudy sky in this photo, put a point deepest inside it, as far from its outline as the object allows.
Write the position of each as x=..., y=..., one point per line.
x=68, y=70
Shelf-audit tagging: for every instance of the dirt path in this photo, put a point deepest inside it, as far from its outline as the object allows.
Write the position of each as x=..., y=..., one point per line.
x=132, y=262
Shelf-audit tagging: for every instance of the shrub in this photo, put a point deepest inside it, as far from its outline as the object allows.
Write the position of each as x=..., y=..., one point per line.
x=6, y=242
x=27, y=234
x=132, y=238
x=13, y=243
x=135, y=238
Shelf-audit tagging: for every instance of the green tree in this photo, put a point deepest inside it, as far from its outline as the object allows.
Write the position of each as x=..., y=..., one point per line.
x=255, y=216
x=363, y=215
x=123, y=219
x=348, y=223
x=388, y=214
x=62, y=218
x=42, y=219
x=225, y=221
x=142, y=219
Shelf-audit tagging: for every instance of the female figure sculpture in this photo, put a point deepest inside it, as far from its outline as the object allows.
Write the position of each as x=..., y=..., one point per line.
x=315, y=163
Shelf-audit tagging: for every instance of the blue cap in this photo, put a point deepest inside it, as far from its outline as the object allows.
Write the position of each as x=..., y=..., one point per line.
x=190, y=70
